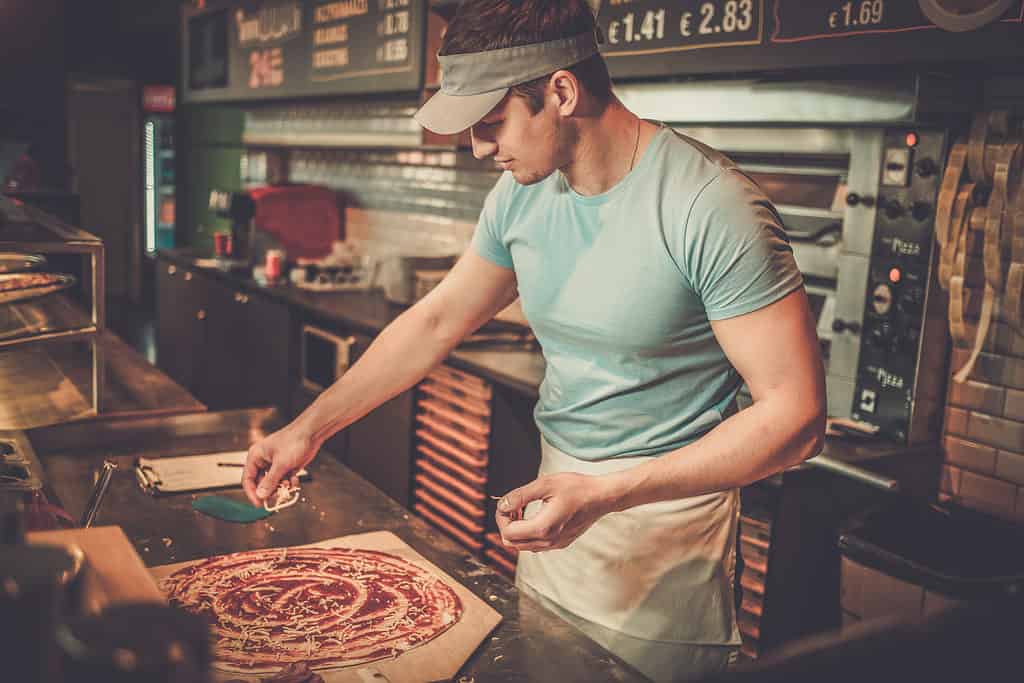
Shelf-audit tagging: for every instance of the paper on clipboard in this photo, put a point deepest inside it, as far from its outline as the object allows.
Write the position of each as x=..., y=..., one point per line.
x=193, y=472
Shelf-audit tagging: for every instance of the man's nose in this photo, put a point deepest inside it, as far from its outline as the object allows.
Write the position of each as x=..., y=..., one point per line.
x=482, y=148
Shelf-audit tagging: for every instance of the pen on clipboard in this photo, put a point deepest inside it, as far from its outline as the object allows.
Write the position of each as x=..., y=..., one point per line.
x=231, y=464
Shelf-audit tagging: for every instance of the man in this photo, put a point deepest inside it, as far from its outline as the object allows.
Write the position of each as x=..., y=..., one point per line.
x=658, y=280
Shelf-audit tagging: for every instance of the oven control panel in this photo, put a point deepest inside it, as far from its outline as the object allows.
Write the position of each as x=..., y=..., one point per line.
x=900, y=327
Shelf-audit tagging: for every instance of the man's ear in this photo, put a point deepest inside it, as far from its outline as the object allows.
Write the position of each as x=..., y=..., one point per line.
x=564, y=90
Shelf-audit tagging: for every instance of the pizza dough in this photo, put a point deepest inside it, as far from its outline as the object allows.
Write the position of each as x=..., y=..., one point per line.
x=329, y=607
x=20, y=281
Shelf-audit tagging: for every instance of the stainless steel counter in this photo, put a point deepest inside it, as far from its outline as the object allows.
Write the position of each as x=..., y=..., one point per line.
x=531, y=644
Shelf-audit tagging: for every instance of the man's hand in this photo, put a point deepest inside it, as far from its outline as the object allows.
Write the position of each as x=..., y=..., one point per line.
x=572, y=503
x=279, y=456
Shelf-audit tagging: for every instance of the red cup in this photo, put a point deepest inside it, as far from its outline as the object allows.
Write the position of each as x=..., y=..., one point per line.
x=220, y=243
x=273, y=265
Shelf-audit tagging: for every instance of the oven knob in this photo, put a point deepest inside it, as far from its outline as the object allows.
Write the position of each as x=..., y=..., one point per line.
x=911, y=299
x=881, y=299
x=893, y=209
x=881, y=335
x=841, y=325
x=926, y=168
x=853, y=199
x=921, y=211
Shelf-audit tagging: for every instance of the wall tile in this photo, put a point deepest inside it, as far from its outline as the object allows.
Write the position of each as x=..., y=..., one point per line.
x=970, y=455
x=1010, y=467
x=949, y=480
x=1014, y=406
x=992, y=368
x=1006, y=340
x=995, y=431
x=987, y=494
x=1013, y=372
x=956, y=421
x=988, y=398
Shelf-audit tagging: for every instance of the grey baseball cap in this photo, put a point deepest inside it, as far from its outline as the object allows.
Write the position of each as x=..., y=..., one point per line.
x=473, y=83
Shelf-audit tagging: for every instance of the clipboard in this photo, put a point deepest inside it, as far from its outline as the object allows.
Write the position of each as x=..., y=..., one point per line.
x=193, y=472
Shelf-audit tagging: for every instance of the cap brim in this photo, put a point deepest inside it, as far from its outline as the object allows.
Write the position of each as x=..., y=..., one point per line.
x=447, y=114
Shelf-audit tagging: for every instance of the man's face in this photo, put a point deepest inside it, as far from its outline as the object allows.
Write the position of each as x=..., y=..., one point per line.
x=526, y=144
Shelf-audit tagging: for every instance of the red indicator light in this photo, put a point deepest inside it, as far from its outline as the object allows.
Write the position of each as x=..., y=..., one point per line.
x=895, y=275
x=911, y=139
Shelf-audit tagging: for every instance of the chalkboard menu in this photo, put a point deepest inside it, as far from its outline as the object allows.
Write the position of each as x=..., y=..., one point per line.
x=649, y=38
x=272, y=49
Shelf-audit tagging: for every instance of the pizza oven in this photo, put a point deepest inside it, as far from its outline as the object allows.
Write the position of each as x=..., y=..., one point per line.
x=51, y=317
x=855, y=176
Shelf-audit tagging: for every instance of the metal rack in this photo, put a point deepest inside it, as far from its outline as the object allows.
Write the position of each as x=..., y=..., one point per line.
x=59, y=323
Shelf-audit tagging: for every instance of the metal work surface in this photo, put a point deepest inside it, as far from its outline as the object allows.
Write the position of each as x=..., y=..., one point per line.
x=531, y=644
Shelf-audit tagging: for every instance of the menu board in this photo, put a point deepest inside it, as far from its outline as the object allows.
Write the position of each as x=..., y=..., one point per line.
x=647, y=28
x=271, y=49
x=649, y=38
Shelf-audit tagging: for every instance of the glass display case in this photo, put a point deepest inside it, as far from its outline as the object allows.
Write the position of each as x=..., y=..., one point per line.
x=51, y=318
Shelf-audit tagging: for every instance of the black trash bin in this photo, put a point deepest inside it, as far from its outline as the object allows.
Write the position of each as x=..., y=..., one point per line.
x=942, y=592
x=908, y=559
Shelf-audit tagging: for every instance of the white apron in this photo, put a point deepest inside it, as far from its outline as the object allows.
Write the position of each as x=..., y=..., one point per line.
x=662, y=571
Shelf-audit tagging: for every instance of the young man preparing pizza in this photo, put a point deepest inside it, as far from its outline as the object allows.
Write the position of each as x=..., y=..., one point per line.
x=658, y=279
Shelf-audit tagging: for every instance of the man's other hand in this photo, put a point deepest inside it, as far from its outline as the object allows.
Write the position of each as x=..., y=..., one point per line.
x=571, y=504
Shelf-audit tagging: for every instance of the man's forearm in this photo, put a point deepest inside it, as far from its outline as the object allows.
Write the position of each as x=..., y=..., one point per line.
x=398, y=358
x=755, y=443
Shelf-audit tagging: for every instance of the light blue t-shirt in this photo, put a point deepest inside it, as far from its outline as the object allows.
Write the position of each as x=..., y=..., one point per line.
x=619, y=289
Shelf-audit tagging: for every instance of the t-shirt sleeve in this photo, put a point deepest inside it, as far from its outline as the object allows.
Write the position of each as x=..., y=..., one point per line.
x=487, y=237
x=737, y=255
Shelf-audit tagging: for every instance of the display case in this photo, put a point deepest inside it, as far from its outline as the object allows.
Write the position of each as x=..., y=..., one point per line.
x=51, y=318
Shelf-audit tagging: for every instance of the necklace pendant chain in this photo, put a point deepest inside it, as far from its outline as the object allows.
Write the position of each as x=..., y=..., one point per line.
x=636, y=146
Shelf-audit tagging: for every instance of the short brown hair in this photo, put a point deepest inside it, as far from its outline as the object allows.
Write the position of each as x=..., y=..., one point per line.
x=480, y=25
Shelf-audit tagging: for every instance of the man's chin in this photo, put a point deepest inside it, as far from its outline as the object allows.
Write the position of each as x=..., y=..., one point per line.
x=529, y=178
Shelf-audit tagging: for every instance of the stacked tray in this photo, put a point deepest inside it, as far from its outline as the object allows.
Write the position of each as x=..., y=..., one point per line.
x=499, y=556
x=453, y=423
x=755, y=538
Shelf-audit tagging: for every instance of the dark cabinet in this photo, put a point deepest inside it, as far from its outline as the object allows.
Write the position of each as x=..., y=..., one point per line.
x=380, y=444
x=221, y=384
x=246, y=351
x=515, y=445
x=265, y=336
x=228, y=347
x=181, y=316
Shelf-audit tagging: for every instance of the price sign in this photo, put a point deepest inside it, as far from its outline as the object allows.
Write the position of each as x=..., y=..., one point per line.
x=640, y=28
x=652, y=39
x=797, y=21
x=294, y=48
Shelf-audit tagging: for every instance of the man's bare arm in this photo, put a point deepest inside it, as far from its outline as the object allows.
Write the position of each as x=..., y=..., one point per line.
x=775, y=350
x=413, y=343
x=405, y=351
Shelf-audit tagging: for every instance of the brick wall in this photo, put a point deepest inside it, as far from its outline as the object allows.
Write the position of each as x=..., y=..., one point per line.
x=983, y=440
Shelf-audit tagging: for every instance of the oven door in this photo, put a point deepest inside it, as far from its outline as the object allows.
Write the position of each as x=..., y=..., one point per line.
x=324, y=357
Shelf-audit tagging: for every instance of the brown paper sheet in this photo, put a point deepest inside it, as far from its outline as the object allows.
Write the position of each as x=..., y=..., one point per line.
x=437, y=659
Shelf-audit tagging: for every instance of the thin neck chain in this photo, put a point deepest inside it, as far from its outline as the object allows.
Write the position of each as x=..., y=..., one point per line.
x=636, y=146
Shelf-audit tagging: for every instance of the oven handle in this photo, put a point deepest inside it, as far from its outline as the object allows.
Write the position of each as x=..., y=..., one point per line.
x=853, y=472
x=344, y=359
